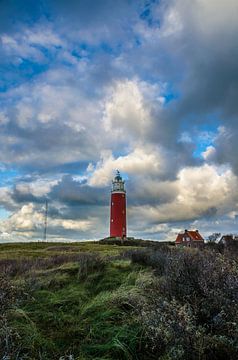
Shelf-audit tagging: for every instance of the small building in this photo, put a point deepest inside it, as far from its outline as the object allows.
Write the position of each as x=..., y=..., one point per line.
x=228, y=240
x=190, y=238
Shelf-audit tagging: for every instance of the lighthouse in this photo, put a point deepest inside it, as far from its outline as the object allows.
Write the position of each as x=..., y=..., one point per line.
x=118, y=207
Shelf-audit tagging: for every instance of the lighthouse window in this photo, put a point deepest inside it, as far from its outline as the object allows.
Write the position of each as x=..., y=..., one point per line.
x=112, y=220
x=112, y=203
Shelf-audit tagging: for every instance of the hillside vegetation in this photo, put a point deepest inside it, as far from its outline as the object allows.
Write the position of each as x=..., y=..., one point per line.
x=94, y=301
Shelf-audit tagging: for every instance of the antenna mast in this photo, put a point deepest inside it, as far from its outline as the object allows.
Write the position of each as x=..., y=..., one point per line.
x=46, y=218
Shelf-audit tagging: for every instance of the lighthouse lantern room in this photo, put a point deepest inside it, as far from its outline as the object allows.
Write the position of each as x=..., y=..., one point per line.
x=118, y=208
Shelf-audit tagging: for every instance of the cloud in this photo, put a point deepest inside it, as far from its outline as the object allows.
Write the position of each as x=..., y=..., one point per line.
x=208, y=46
x=78, y=225
x=45, y=119
x=128, y=110
x=29, y=45
x=210, y=153
x=146, y=87
x=199, y=192
x=72, y=191
x=140, y=161
x=26, y=221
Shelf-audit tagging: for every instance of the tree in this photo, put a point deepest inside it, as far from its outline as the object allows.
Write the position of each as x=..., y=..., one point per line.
x=213, y=237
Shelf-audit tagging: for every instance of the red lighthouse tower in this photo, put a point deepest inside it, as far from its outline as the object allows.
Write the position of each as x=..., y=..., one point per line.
x=118, y=207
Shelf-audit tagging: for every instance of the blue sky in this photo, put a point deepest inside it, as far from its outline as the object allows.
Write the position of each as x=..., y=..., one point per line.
x=146, y=87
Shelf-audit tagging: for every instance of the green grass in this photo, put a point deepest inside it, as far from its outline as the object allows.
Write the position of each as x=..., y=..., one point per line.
x=84, y=301
x=64, y=314
x=47, y=249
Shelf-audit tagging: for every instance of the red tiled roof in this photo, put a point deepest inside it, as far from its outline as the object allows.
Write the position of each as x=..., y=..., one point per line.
x=194, y=236
x=179, y=238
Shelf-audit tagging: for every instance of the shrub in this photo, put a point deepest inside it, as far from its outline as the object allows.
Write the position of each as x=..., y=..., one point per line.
x=15, y=267
x=9, y=296
x=169, y=328
x=191, y=311
x=88, y=263
x=156, y=258
x=207, y=281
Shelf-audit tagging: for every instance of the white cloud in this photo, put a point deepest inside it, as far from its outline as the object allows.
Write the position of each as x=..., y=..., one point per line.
x=206, y=17
x=201, y=191
x=79, y=225
x=148, y=34
x=28, y=43
x=126, y=112
x=17, y=49
x=186, y=137
x=6, y=197
x=210, y=153
x=141, y=161
x=26, y=220
x=39, y=187
x=160, y=228
x=43, y=36
x=172, y=23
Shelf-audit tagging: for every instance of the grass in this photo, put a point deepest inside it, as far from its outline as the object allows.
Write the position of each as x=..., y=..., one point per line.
x=87, y=301
x=67, y=314
x=47, y=249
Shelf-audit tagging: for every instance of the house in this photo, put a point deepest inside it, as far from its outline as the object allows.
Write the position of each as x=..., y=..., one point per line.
x=228, y=240
x=189, y=238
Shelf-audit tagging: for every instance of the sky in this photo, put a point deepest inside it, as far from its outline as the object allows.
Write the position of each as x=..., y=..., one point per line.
x=148, y=87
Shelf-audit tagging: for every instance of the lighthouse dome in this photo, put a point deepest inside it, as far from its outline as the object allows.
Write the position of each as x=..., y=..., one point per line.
x=118, y=183
x=118, y=176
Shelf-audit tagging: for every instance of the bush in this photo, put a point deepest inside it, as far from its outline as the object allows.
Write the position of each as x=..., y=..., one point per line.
x=16, y=267
x=9, y=297
x=88, y=263
x=191, y=311
x=170, y=329
x=156, y=258
x=208, y=282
